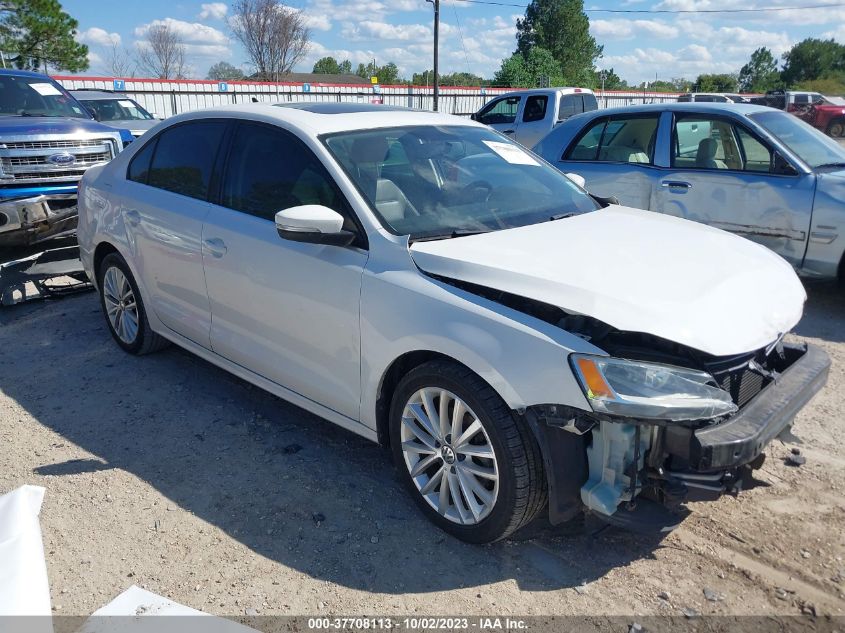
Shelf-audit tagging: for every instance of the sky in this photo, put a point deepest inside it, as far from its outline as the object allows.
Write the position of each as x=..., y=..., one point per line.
x=474, y=37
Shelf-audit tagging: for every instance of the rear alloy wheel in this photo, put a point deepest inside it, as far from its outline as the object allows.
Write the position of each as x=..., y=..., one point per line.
x=836, y=129
x=471, y=467
x=121, y=305
x=124, y=309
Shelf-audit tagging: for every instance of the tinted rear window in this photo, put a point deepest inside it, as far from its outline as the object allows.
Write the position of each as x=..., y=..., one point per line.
x=184, y=158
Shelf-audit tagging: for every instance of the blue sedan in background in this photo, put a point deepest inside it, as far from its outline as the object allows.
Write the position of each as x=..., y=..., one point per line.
x=751, y=170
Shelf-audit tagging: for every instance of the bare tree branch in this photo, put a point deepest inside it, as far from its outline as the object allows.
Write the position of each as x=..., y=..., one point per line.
x=163, y=54
x=119, y=62
x=274, y=35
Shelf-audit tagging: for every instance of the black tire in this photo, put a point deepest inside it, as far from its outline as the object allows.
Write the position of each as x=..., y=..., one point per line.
x=522, y=492
x=145, y=341
x=836, y=128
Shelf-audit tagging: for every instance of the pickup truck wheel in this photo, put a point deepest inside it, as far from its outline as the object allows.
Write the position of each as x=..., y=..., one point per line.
x=470, y=466
x=836, y=128
x=124, y=309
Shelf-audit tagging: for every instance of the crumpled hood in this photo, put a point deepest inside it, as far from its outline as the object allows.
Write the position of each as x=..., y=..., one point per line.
x=20, y=125
x=637, y=271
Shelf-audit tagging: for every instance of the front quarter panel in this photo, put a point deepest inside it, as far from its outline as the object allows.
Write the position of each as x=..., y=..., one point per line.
x=524, y=359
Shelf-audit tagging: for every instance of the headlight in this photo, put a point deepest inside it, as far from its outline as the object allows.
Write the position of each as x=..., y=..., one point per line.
x=649, y=391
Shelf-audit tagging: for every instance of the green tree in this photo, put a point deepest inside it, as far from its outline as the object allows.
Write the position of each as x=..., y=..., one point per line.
x=539, y=66
x=716, y=83
x=812, y=59
x=676, y=84
x=37, y=33
x=224, y=71
x=611, y=80
x=345, y=67
x=562, y=28
x=326, y=66
x=451, y=79
x=387, y=74
x=760, y=73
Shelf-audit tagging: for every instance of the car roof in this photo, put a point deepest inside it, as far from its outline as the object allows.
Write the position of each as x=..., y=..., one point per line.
x=22, y=73
x=532, y=91
x=701, y=106
x=84, y=94
x=316, y=118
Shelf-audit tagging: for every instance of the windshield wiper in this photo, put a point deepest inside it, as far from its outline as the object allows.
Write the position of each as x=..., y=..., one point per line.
x=561, y=216
x=444, y=236
x=823, y=165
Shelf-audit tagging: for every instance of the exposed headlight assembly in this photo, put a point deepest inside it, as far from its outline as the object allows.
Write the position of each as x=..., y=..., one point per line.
x=650, y=391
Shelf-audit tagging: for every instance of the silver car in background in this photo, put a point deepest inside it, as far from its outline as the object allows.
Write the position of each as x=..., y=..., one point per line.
x=748, y=169
x=116, y=110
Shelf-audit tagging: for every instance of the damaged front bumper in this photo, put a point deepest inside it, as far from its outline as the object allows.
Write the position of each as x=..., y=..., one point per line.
x=634, y=473
x=30, y=220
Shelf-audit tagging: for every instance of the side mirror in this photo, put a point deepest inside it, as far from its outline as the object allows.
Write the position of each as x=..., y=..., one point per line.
x=313, y=224
x=577, y=179
x=474, y=116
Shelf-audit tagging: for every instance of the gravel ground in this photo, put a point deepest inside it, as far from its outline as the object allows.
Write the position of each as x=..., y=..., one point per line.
x=168, y=473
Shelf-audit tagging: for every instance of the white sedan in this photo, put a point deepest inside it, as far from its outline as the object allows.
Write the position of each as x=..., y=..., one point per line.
x=425, y=282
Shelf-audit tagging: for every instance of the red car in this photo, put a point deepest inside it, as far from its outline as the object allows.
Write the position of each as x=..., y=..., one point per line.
x=819, y=111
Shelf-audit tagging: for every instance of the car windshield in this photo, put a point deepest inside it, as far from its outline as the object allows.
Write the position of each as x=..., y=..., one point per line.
x=809, y=144
x=434, y=182
x=37, y=96
x=117, y=110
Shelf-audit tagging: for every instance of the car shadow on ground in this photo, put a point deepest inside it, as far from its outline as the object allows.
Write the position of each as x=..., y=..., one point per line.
x=824, y=313
x=288, y=485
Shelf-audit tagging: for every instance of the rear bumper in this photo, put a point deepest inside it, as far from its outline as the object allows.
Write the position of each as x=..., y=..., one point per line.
x=29, y=220
x=742, y=438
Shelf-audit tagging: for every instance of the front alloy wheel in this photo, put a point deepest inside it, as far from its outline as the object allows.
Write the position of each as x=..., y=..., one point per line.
x=472, y=466
x=449, y=456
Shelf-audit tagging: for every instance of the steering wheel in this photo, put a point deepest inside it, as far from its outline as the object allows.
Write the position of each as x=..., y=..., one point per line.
x=478, y=184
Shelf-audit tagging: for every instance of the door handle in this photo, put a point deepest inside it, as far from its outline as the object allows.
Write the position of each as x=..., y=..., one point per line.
x=133, y=217
x=676, y=184
x=215, y=246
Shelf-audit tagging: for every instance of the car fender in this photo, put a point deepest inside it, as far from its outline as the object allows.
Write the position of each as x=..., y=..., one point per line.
x=523, y=358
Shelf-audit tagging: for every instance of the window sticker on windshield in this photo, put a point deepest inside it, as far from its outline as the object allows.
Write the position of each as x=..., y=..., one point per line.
x=511, y=153
x=45, y=90
x=126, y=103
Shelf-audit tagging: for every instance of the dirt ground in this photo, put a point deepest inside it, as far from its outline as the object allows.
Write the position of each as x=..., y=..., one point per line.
x=168, y=473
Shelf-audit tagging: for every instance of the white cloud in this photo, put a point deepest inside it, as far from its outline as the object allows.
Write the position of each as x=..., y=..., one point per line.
x=629, y=29
x=213, y=11
x=200, y=40
x=372, y=30
x=190, y=32
x=316, y=21
x=99, y=37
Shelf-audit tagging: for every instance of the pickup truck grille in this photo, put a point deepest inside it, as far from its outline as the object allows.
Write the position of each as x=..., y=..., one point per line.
x=30, y=161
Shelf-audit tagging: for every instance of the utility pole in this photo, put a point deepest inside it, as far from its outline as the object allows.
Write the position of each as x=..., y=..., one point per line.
x=436, y=4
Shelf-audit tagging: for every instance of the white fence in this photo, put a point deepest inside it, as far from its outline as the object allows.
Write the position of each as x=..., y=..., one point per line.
x=165, y=98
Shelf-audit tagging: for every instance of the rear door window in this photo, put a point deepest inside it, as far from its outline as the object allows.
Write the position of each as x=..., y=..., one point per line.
x=184, y=158
x=618, y=140
x=535, y=108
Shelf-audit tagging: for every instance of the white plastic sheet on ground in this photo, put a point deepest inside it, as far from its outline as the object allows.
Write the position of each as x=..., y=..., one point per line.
x=139, y=611
x=24, y=589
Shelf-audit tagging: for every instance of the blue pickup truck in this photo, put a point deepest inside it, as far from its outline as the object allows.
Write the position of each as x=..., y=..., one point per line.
x=47, y=141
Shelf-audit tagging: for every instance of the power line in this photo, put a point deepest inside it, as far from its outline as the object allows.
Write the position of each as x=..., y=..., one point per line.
x=664, y=11
x=461, y=33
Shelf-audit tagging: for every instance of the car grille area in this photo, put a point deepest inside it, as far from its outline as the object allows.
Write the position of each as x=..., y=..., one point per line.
x=51, y=160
